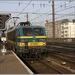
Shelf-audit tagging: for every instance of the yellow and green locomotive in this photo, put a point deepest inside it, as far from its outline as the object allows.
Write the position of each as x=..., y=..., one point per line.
x=27, y=39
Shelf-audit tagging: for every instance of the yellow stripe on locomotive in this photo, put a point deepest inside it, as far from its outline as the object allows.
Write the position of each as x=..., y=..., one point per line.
x=32, y=44
x=31, y=37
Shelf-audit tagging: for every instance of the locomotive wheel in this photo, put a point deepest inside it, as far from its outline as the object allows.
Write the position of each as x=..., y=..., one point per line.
x=40, y=55
x=25, y=55
x=31, y=53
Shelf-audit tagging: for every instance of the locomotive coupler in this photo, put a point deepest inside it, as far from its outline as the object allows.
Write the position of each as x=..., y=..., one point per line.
x=26, y=44
x=25, y=48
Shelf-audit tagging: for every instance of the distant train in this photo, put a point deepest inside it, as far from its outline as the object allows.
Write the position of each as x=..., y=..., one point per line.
x=27, y=39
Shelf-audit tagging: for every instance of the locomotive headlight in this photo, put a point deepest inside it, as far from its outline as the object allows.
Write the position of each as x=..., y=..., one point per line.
x=23, y=43
x=44, y=42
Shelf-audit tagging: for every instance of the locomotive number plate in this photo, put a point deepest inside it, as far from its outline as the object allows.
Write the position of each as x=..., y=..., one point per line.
x=33, y=44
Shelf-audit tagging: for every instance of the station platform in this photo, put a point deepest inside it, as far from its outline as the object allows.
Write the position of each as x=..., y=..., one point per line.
x=11, y=64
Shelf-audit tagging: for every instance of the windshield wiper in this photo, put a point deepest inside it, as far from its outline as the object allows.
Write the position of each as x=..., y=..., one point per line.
x=36, y=33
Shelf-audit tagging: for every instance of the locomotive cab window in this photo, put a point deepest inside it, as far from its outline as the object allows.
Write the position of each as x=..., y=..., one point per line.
x=38, y=31
x=27, y=31
x=17, y=33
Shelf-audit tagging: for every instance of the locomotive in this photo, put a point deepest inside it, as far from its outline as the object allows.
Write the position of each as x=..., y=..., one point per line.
x=27, y=39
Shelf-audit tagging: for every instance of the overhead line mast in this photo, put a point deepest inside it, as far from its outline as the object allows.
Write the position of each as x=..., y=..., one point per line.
x=53, y=17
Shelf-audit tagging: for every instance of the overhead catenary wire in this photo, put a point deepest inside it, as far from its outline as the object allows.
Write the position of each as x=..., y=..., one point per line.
x=46, y=16
x=41, y=14
x=63, y=15
x=19, y=3
x=69, y=14
x=59, y=14
x=55, y=12
x=24, y=7
x=46, y=13
x=51, y=13
x=15, y=18
x=35, y=12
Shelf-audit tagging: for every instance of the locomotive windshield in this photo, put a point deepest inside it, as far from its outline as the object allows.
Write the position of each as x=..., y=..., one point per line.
x=38, y=31
x=35, y=31
x=27, y=31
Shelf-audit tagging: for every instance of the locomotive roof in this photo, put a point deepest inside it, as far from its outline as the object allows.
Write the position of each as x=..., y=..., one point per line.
x=25, y=27
x=29, y=26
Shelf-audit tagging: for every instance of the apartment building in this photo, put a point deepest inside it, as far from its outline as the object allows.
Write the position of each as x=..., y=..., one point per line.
x=68, y=30
x=49, y=29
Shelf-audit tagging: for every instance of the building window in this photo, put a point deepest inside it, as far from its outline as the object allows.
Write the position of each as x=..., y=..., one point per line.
x=65, y=31
x=62, y=35
x=62, y=32
x=62, y=27
x=66, y=28
x=65, y=34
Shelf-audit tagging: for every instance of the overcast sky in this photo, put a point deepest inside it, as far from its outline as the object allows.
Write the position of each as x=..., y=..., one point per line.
x=38, y=11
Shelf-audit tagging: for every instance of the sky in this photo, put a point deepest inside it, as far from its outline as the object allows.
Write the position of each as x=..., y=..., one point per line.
x=38, y=10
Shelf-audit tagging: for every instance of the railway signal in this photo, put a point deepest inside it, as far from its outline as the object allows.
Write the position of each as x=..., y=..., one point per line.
x=3, y=19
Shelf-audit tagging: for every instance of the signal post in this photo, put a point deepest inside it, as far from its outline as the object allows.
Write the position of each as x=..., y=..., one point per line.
x=3, y=19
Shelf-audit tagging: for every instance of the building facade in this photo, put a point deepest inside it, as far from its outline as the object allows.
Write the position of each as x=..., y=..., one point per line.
x=68, y=30
x=62, y=30
x=49, y=29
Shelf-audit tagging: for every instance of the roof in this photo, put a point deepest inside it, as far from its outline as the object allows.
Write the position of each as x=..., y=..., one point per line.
x=24, y=27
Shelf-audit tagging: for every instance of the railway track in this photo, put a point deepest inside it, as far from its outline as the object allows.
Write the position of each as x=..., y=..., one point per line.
x=59, y=49
x=60, y=59
x=63, y=45
x=45, y=67
x=71, y=58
